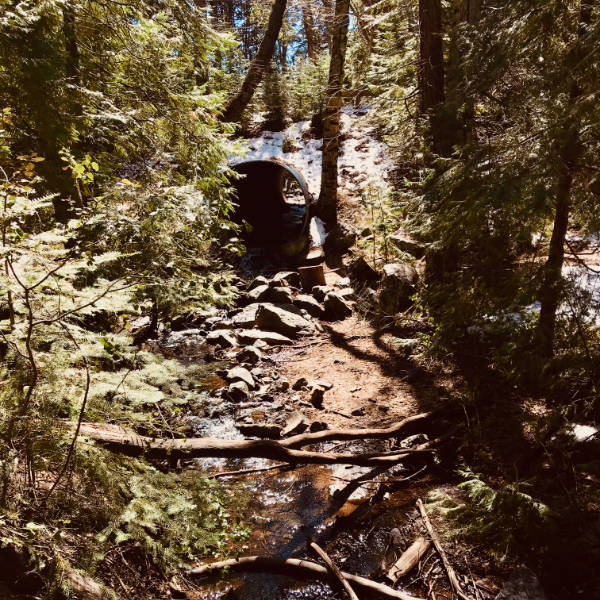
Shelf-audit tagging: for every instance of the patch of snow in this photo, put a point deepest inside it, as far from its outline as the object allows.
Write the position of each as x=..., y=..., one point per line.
x=583, y=433
x=318, y=235
x=363, y=159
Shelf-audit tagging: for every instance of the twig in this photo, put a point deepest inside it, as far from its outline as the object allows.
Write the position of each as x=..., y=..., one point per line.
x=438, y=546
x=250, y=471
x=334, y=569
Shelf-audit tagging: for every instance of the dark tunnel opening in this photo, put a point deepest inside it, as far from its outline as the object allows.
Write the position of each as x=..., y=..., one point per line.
x=273, y=204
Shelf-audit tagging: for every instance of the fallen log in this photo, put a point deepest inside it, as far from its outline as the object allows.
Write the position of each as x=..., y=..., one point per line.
x=300, y=569
x=119, y=439
x=409, y=560
x=334, y=570
x=440, y=549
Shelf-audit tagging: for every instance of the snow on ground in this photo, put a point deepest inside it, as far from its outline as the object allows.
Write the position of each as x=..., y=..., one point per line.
x=362, y=161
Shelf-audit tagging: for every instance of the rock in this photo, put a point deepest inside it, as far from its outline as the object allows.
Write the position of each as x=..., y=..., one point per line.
x=262, y=430
x=258, y=372
x=213, y=322
x=362, y=272
x=347, y=293
x=258, y=281
x=396, y=537
x=289, y=278
x=414, y=440
x=318, y=426
x=296, y=423
x=358, y=412
x=300, y=383
x=285, y=322
x=522, y=585
x=252, y=336
x=223, y=337
x=260, y=344
x=320, y=291
x=283, y=385
x=315, y=256
x=310, y=305
x=316, y=397
x=250, y=354
x=336, y=307
x=326, y=385
x=397, y=286
x=407, y=244
x=246, y=317
x=240, y=374
x=281, y=295
x=342, y=282
x=257, y=294
x=341, y=238
x=237, y=391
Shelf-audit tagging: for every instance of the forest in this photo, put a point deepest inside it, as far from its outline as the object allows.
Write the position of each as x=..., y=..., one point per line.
x=299, y=299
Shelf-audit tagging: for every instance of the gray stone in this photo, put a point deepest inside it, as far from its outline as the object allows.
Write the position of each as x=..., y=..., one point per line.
x=310, y=305
x=290, y=278
x=326, y=385
x=522, y=585
x=414, y=440
x=240, y=374
x=397, y=286
x=285, y=322
x=223, y=337
x=258, y=372
x=300, y=383
x=361, y=271
x=257, y=294
x=258, y=281
x=212, y=322
x=342, y=282
x=295, y=424
x=246, y=317
x=320, y=291
x=347, y=293
x=252, y=336
x=405, y=243
x=280, y=294
x=336, y=307
x=250, y=354
x=262, y=430
x=237, y=391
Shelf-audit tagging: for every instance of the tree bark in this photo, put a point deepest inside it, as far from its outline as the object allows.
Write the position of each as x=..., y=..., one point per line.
x=334, y=570
x=331, y=119
x=409, y=560
x=297, y=568
x=431, y=66
x=236, y=105
x=308, y=23
x=570, y=151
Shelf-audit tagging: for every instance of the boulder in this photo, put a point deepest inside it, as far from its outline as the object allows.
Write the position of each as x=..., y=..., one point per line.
x=362, y=272
x=246, y=317
x=283, y=321
x=252, y=336
x=347, y=293
x=237, y=392
x=223, y=337
x=262, y=430
x=320, y=291
x=405, y=243
x=250, y=354
x=310, y=305
x=295, y=424
x=257, y=294
x=258, y=281
x=397, y=286
x=287, y=278
x=240, y=374
x=279, y=294
x=336, y=307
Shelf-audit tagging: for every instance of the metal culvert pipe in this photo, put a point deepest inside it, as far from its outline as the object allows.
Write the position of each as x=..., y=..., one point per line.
x=273, y=206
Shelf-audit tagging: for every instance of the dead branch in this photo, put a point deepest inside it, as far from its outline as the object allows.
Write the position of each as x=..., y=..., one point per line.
x=298, y=568
x=409, y=560
x=334, y=569
x=438, y=546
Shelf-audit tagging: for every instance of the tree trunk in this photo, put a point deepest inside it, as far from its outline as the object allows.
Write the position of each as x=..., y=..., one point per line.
x=550, y=290
x=235, y=107
x=308, y=22
x=331, y=118
x=431, y=66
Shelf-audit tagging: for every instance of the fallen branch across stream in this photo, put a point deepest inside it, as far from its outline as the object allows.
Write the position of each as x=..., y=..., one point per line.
x=298, y=568
x=119, y=439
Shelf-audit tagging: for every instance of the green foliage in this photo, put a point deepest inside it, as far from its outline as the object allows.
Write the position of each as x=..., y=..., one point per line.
x=506, y=519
